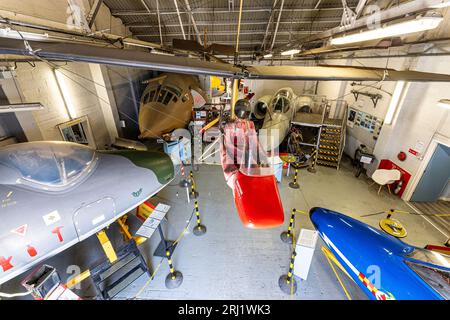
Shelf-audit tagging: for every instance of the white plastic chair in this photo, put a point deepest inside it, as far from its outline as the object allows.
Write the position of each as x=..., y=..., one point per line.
x=386, y=177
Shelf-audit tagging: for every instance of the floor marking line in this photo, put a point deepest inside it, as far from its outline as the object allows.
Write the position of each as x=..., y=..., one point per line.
x=420, y=213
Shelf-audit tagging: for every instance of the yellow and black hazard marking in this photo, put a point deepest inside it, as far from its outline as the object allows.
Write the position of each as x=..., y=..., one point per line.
x=294, y=184
x=327, y=158
x=291, y=267
x=333, y=153
x=333, y=130
x=287, y=282
x=312, y=167
x=194, y=193
x=326, y=146
x=175, y=278
x=287, y=236
x=169, y=261
x=199, y=229
x=330, y=140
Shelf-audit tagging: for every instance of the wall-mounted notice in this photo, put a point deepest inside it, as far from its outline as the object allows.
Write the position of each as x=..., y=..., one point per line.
x=365, y=121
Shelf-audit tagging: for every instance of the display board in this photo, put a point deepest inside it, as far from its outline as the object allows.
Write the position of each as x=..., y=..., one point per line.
x=363, y=127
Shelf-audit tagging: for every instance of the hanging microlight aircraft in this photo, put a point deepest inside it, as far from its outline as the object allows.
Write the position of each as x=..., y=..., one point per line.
x=396, y=270
x=248, y=171
x=107, y=53
x=56, y=194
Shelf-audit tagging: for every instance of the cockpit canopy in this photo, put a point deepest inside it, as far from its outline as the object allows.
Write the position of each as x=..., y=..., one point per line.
x=162, y=94
x=47, y=165
x=281, y=101
x=433, y=268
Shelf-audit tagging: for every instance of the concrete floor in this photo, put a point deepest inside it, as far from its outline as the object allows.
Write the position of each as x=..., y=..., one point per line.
x=231, y=262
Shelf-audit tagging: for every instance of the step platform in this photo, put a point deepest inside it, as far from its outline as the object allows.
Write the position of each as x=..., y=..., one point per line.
x=111, y=278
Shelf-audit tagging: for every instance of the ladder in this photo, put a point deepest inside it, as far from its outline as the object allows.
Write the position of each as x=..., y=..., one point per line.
x=332, y=139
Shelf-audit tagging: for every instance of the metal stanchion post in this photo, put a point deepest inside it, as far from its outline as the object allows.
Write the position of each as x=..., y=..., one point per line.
x=294, y=184
x=312, y=168
x=194, y=193
x=286, y=236
x=287, y=281
x=175, y=278
x=199, y=229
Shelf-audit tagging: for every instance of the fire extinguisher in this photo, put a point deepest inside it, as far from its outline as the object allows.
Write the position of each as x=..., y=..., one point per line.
x=398, y=187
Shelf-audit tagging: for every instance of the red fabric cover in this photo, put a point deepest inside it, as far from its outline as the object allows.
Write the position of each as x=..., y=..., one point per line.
x=258, y=201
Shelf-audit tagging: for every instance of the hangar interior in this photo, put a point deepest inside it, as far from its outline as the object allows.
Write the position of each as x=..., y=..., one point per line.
x=371, y=145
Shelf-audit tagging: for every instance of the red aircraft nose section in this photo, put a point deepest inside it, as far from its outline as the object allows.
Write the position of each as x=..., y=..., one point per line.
x=249, y=174
x=258, y=201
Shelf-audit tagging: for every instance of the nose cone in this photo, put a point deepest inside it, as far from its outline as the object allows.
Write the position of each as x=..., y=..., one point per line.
x=335, y=224
x=321, y=217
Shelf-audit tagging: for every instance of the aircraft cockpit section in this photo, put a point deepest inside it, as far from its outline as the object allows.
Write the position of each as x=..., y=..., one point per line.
x=433, y=268
x=48, y=166
x=281, y=101
x=163, y=94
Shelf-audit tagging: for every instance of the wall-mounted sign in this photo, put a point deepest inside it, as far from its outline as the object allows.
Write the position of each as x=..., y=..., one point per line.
x=78, y=131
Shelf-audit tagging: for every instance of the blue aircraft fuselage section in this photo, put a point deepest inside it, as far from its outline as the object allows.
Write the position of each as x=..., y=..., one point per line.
x=374, y=259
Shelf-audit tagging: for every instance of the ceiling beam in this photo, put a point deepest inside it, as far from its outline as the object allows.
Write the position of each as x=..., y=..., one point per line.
x=263, y=44
x=233, y=42
x=244, y=23
x=274, y=37
x=179, y=19
x=194, y=24
x=93, y=12
x=218, y=11
x=227, y=33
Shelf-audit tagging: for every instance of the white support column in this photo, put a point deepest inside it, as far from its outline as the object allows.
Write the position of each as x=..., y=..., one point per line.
x=104, y=100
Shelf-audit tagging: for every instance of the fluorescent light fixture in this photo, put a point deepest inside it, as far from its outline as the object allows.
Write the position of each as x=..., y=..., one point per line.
x=267, y=56
x=416, y=25
x=13, y=34
x=393, y=104
x=444, y=103
x=443, y=4
x=63, y=89
x=15, y=107
x=290, y=52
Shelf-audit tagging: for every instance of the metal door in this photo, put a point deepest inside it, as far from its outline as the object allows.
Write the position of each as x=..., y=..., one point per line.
x=435, y=177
